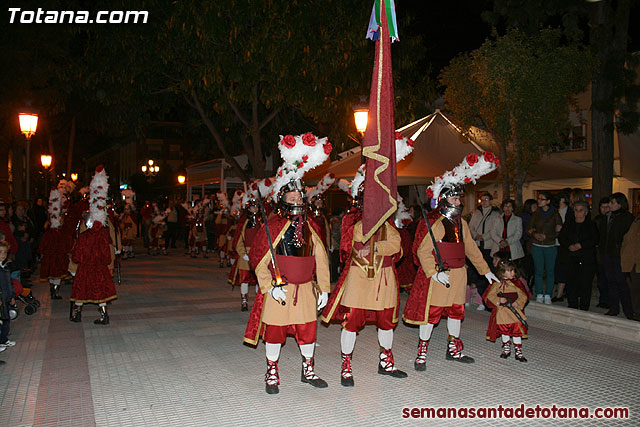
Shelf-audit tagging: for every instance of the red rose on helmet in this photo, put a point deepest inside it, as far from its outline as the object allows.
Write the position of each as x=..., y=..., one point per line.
x=398, y=135
x=497, y=162
x=327, y=148
x=309, y=139
x=410, y=142
x=288, y=141
x=301, y=164
x=430, y=193
x=489, y=156
x=467, y=180
x=267, y=182
x=472, y=159
x=305, y=158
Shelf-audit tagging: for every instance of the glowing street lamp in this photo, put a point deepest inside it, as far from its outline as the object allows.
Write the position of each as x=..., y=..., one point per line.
x=45, y=159
x=74, y=177
x=361, y=116
x=181, y=179
x=149, y=169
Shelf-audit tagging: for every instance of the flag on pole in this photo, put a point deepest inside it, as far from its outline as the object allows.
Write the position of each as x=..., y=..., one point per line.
x=378, y=146
x=375, y=20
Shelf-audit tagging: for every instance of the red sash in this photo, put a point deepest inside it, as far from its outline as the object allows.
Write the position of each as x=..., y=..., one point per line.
x=249, y=235
x=452, y=254
x=296, y=269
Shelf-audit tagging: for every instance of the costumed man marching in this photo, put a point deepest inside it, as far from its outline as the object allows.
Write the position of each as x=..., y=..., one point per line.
x=368, y=287
x=157, y=231
x=93, y=281
x=248, y=225
x=128, y=224
x=223, y=223
x=236, y=216
x=316, y=208
x=197, y=239
x=440, y=285
x=405, y=266
x=55, y=246
x=286, y=252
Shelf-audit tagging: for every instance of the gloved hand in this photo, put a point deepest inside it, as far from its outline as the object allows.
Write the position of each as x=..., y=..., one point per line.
x=245, y=257
x=278, y=293
x=323, y=298
x=491, y=277
x=442, y=277
x=229, y=238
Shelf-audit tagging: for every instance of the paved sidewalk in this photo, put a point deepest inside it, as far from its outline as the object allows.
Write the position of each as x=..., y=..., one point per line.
x=173, y=355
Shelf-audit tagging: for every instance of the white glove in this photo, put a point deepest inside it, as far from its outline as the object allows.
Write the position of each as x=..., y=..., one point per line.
x=442, y=277
x=245, y=257
x=233, y=261
x=491, y=277
x=229, y=238
x=278, y=293
x=323, y=298
x=118, y=252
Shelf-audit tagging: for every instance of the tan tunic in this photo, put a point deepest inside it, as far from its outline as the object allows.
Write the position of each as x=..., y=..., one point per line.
x=242, y=250
x=504, y=316
x=439, y=295
x=306, y=308
x=382, y=291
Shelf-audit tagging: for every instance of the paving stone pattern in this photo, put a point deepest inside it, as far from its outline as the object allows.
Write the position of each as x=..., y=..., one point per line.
x=173, y=356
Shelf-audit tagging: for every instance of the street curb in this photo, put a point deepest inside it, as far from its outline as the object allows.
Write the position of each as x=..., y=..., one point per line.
x=609, y=325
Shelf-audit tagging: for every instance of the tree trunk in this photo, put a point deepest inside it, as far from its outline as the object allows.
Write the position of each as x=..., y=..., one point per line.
x=52, y=170
x=195, y=103
x=608, y=35
x=72, y=140
x=506, y=179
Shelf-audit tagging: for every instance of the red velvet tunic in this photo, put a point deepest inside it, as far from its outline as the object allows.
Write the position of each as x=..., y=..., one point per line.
x=406, y=268
x=54, y=248
x=93, y=282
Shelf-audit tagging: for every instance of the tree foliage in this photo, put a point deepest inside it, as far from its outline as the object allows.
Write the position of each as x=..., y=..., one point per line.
x=520, y=89
x=248, y=68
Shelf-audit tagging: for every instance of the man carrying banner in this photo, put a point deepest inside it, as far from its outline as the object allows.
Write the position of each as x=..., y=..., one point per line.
x=440, y=248
x=286, y=253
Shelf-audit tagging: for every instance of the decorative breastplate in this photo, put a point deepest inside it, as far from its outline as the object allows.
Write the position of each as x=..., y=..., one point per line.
x=296, y=242
x=452, y=230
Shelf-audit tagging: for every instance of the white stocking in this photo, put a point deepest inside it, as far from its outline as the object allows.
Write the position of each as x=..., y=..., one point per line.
x=505, y=338
x=425, y=331
x=517, y=340
x=385, y=338
x=272, y=351
x=244, y=288
x=347, y=341
x=453, y=326
x=307, y=350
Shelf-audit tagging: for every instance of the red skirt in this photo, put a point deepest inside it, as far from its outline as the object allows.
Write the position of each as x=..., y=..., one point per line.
x=93, y=284
x=54, y=248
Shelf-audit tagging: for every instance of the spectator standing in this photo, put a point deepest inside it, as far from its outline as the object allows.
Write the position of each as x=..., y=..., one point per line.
x=529, y=207
x=578, y=239
x=566, y=213
x=483, y=220
x=172, y=225
x=601, y=223
x=24, y=232
x=146, y=213
x=507, y=232
x=630, y=261
x=6, y=229
x=8, y=296
x=543, y=229
x=617, y=226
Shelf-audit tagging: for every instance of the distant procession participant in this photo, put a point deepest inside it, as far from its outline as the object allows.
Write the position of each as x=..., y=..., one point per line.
x=241, y=273
x=223, y=223
x=317, y=206
x=197, y=237
x=55, y=246
x=92, y=253
x=301, y=259
x=430, y=298
x=128, y=224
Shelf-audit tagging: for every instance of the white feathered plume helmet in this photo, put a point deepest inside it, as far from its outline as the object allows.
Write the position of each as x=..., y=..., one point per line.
x=300, y=154
x=55, y=208
x=402, y=217
x=236, y=203
x=98, y=200
x=404, y=147
x=128, y=195
x=159, y=218
x=468, y=172
x=66, y=187
x=324, y=184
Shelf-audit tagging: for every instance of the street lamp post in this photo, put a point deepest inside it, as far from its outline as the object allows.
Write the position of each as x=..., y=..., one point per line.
x=149, y=169
x=181, y=180
x=28, y=126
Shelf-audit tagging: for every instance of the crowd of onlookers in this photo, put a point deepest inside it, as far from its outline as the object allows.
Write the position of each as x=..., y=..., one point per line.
x=557, y=245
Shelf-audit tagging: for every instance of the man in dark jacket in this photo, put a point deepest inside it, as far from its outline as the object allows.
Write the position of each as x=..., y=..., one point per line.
x=611, y=236
x=578, y=240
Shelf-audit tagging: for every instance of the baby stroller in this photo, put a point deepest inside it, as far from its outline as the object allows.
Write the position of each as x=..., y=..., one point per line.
x=24, y=295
